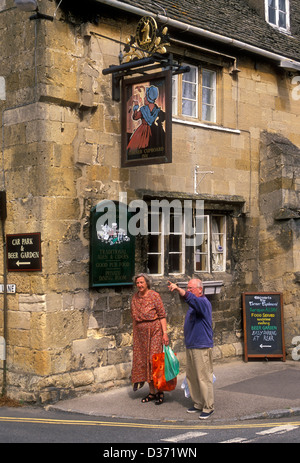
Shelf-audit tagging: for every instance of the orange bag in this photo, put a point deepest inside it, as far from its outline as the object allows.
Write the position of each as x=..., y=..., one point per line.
x=159, y=380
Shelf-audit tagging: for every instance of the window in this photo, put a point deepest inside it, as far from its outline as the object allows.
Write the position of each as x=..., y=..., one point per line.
x=277, y=13
x=194, y=94
x=165, y=243
x=176, y=244
x=155, y=256
x=210, y=248
x=168, y=244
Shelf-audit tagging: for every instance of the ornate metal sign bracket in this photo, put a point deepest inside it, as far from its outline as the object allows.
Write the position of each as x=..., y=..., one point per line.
x=143, y=52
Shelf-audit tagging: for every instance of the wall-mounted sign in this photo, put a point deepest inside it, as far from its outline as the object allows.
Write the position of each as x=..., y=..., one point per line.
x=147, y=120
x=24, y=252
x=263, y=325
x=10, y=289
x=112, y=247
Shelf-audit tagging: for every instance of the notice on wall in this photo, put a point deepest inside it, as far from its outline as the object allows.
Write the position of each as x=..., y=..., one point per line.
x=24, y=252
x=112, y=249
x=263, y=325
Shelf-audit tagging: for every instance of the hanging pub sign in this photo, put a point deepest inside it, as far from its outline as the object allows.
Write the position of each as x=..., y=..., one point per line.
x=147, y=119
x=112, y=247
x=263, y=325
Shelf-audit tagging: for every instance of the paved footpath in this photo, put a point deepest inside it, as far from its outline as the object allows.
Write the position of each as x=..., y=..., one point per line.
x=243, y=390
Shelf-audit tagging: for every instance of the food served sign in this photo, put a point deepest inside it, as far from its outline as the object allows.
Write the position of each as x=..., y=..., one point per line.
x=263, y=325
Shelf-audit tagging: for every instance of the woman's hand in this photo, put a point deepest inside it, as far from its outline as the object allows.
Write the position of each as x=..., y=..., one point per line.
x=166, y=339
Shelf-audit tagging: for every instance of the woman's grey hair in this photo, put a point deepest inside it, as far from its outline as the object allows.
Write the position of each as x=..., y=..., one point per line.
x=147, y=279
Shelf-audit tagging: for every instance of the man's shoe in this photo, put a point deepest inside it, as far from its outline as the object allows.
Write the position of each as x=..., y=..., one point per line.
x=204, y=415
x=193, y=410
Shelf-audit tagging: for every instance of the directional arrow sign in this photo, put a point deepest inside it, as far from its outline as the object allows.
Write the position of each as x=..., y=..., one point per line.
x=262, y=346
x=24, y=252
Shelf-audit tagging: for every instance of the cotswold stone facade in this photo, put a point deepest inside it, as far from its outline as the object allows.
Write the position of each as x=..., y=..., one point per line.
x=61, y=150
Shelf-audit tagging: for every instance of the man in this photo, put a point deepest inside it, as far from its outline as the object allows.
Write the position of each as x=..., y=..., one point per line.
x=198, y=336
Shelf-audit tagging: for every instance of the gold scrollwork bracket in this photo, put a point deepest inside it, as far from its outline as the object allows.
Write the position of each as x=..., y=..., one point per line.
x=143, y=52
x=149, y=39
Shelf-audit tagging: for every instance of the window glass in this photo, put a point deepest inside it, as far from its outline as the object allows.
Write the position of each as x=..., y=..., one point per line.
x=188, y=88
x=175, y=244
x=282, y=20
x=277, y=13
x=155, y=248
x=175, y=95
x=282, y=5
x=168, y=250
x=190, y=92
x=208, y=95
x=201, y=260
x=218, y=243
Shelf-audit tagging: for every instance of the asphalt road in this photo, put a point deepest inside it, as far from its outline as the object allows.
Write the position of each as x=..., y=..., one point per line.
x=36, y=425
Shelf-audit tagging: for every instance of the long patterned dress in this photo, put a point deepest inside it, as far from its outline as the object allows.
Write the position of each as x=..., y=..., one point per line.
x=146, y=311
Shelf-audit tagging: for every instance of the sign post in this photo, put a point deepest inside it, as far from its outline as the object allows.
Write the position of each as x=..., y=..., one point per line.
x=263, y=325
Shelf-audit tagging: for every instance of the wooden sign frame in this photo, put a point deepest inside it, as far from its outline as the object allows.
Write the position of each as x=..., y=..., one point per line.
x=264, y=337
x=147, y=120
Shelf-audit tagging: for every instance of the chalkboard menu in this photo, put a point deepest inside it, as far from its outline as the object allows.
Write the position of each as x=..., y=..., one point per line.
x=263, y=325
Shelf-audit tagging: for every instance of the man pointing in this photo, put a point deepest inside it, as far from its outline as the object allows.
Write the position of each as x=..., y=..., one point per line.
x=198, y=334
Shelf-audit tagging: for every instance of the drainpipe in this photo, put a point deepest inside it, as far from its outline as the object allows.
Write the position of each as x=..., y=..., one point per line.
x=5, y=330
x=281, y=60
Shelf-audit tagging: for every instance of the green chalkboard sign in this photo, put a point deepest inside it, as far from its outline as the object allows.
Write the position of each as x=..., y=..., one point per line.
x=263, y=325
x=112, y=247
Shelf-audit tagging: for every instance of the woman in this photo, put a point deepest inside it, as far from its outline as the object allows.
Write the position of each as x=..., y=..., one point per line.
x=148, y=113
x=149, y=335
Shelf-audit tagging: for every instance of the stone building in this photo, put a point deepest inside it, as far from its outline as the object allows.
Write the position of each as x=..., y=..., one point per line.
x=235, y=145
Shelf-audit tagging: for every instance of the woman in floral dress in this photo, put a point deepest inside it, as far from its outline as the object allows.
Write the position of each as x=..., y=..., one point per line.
x=149, y=335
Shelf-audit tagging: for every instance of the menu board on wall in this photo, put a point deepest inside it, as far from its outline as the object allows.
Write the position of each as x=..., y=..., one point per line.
x=112, y=247
x=263, y=325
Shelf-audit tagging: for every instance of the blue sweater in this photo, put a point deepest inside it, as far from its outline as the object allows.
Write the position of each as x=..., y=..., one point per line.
x=198, y=332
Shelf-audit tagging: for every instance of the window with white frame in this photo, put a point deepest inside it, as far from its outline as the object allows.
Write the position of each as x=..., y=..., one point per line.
x=210, y=245
x=167, y=251
x=155, y=255
x=165, y=243
x=194, y=94
x=277, y=13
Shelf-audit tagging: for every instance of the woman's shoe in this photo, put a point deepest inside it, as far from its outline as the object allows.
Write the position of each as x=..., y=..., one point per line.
x=137, y=386
x=159, y=398
x=148, y=398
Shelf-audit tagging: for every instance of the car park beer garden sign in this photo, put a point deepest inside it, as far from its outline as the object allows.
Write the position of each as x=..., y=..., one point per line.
x=24, y=252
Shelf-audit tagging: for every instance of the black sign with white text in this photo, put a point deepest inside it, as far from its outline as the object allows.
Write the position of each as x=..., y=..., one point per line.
x=24, y=252
x=263, y=325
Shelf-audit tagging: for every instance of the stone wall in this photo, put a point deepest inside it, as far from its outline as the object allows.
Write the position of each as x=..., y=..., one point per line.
x=60, y=142
x=279, y=246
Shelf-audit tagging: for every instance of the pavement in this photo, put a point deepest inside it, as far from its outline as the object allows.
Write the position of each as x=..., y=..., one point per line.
x=257, y=389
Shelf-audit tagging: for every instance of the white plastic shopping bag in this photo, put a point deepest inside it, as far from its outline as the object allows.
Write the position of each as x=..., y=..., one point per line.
x=185, y=387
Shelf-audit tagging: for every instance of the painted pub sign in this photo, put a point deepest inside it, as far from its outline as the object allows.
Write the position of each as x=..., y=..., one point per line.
x=147, y=119
x=112, y=247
